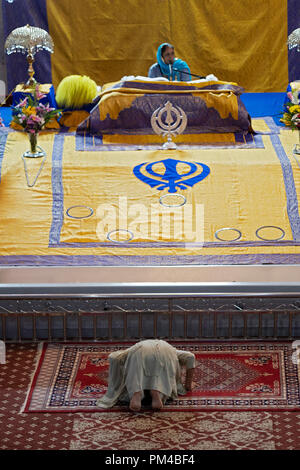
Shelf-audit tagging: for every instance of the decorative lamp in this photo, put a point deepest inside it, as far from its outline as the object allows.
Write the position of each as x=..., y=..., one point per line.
x=294, y=39
x=30, y=40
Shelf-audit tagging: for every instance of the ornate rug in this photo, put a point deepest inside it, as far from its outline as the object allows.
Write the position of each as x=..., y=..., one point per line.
x=217, y=430
x=226, y=430
x=229, y=376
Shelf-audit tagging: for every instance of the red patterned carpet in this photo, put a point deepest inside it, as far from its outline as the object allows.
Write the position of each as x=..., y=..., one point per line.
x=228, y=376
x=158, y=431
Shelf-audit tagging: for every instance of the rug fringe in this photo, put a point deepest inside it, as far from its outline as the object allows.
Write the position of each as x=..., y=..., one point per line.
x=35, y=365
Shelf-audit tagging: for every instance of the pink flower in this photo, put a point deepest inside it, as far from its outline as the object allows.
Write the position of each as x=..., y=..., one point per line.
x=32, y=131
x=48, y=109
x=38, y=94
x=22, y=103
x=37, y=119
x=295, y=118
x=289, y=95
x=1, y=122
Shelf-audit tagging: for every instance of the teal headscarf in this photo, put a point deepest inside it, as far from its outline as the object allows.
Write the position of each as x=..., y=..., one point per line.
x=177, y=64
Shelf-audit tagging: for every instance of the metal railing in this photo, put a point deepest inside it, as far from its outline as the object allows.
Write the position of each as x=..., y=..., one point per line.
x=130, y=325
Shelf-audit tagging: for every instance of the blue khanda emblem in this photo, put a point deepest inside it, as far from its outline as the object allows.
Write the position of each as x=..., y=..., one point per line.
x=170, y=178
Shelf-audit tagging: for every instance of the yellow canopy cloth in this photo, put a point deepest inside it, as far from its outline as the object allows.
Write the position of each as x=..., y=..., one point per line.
x=119, y=208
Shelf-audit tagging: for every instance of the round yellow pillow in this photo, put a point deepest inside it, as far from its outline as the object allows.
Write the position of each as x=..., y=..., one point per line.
x=75, y=91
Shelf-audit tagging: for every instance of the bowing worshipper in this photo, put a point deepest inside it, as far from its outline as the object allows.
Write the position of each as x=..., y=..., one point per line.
x=169, y=66
x=151, y=365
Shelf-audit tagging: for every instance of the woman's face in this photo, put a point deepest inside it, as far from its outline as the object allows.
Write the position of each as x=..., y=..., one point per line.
x=168, y=55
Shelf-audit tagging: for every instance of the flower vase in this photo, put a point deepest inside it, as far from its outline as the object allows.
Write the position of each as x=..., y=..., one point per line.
x=35, y=150
x=297, y=146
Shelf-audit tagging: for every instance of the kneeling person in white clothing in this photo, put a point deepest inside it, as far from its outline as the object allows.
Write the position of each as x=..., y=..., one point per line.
x=152, y=365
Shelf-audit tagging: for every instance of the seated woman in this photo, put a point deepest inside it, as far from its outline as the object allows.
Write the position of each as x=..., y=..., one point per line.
x=151, y=365
x=169, y=66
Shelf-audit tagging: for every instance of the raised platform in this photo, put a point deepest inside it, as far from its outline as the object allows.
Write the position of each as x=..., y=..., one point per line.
x=60, y=281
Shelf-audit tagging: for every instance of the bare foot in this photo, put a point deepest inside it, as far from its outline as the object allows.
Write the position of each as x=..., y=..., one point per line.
x=135, y=402
x=157, y=403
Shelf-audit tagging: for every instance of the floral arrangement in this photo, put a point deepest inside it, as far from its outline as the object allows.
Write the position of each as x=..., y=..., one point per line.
x=291, y=116
x=33, y=115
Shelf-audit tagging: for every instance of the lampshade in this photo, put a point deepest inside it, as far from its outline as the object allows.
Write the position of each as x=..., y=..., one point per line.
x=29, y=40
x=294, y=39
